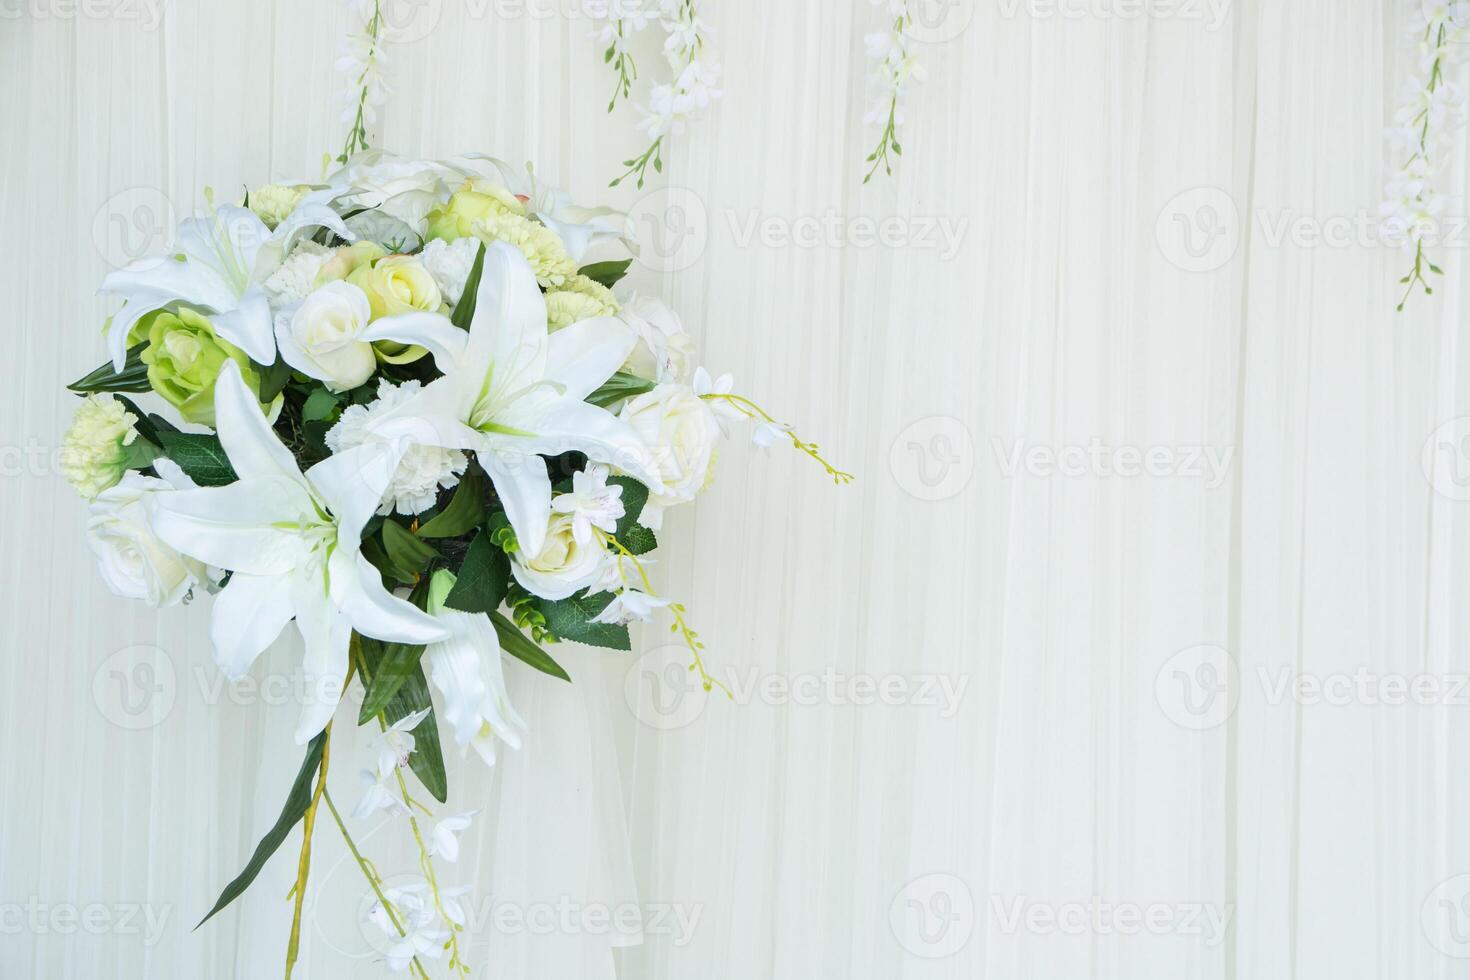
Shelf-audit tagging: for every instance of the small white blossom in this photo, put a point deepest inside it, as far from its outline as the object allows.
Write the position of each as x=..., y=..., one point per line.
x=378, y=795
x=630, y=605
x=444, y=839
x=396, y=743
x=592, y=503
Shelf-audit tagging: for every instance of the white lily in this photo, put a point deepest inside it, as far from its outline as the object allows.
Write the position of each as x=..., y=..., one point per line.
x=292, y=541
x=219, y=263
x=444, y=838
x=467, y=669
x=515, y=392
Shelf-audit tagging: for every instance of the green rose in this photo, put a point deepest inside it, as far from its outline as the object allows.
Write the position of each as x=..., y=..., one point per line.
x=184, y=357
x=397, y=284
x=477, y=200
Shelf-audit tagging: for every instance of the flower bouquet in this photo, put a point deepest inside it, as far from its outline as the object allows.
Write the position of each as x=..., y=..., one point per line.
x=397, y=408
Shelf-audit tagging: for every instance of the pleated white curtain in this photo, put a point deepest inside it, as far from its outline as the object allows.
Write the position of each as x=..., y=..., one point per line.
x=1090, y=673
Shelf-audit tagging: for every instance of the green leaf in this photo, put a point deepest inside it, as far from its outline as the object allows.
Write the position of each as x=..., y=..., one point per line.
x=320, y=405
x=607, y=273
x=465, y=311
x=515, y=643
x=144, y=424
x=133, y=377
x=571, y=619
x=635, y=495
x=406, y=553
x=427, y=758
x=465, y=510
x=297, y=802
x=396, y=663
x=273, y=378
x=638, y=539
x=200, y=456
x=482, y=580
x=620, y=386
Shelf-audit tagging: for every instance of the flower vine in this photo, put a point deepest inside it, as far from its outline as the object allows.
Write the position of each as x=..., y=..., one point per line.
x=691, y=57
x=894, y=68
x=361, y=62
x=1430, y=109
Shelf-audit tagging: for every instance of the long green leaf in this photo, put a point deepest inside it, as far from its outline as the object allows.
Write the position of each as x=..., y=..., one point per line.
x=465, y=311
x=515, y=643
x=427, y=758
x=297, y=802
x=620, y=386
x=396, y=663
x=465, y=511
x=133, y=377
x=200, y=456
x=407, y=553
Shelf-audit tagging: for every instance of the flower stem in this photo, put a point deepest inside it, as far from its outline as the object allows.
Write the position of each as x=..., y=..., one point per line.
x=303, y=863
x=357, y=137
x=427, y=865
x=753, y=411
x=370, y=873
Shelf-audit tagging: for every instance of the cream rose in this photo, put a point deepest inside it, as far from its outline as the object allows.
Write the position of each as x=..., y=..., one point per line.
x=563, y=567
x=134, y=563
x=321, y=338
x=680, y=431
x=398, y=284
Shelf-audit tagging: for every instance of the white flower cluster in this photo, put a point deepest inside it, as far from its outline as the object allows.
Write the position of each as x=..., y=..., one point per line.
x=691, y=58
x=1430, y=108
x=894, y=68
x=361, y=65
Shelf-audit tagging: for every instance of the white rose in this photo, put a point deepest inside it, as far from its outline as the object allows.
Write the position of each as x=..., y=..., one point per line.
x=680, y=431
x=133, y=562
x=563, y=567
x=322, y=338
x=664, y=351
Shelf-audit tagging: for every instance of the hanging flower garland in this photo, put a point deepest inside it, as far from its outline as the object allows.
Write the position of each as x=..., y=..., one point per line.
x=691, y=58
x=894, y=68
x=361, y=63
x=1431, y=108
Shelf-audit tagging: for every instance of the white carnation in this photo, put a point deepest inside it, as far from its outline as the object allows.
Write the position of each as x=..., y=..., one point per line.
x=293, y=281
x=450, y=263
x=424, y=470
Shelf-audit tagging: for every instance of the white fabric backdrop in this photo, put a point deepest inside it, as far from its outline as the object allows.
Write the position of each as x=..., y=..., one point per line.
x=1090, y=768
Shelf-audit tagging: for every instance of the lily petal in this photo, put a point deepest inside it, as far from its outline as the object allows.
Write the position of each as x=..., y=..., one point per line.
x=233, y=526
x=248, y=616
x=252, y=445
x=325, y=633
x=525, y=492
x=357, y=589
x=432, y=331
x=249, y=326
x=508, y=330
x=575, y=425
x=580, y=357
x=352, y=484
